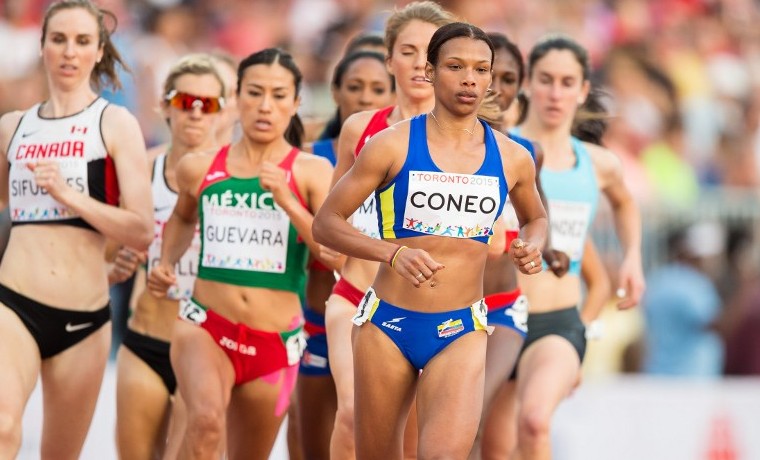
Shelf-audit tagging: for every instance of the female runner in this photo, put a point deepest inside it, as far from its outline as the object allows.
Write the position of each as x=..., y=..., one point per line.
x=573, y=175
x=73, y=171
x=360, y=82
x=441, y=180
x=407, y=34
x=192, y=104
x=236, y=352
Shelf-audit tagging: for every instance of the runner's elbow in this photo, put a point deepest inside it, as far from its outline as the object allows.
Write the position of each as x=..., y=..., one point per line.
x=319, y=228
x=142, y=237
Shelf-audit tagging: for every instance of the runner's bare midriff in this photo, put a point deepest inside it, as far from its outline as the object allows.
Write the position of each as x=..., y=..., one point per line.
x=153, y=316
x=546, y=292
x=58, y=265
x=259, y=308
x=456, y=286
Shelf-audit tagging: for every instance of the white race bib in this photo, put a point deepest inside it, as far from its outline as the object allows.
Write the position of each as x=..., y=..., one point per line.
x=448, y=204
x=192, y=312
x=569, y=221
x=241, y=238
x=186, y=268
x=366, y=307
x=365, y=218
x=30, y=202
x=294, y=346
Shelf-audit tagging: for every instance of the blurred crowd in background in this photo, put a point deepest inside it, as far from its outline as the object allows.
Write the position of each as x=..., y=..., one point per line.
x=681, y=80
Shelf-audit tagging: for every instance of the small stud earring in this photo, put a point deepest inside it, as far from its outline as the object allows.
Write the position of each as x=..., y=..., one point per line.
x=488, y=90
x=428, y=80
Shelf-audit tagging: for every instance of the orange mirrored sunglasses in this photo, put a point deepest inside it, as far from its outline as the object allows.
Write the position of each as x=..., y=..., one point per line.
x=187, y=102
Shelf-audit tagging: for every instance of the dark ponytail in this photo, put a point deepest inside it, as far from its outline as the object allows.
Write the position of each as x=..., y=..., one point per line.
x=295, y=132
x=591, y=119
x=332, y=127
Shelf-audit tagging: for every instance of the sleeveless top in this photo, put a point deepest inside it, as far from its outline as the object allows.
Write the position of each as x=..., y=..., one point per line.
x=76, y=143
x=423, y=200
x=364, y=219
x=509, y=216
x=529, y=146
x=164, y=199
x=246, y=238
x=573, y=197
x=324, y=148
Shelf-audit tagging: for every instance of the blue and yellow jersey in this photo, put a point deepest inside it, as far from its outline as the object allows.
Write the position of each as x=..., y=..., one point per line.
x=424, y=200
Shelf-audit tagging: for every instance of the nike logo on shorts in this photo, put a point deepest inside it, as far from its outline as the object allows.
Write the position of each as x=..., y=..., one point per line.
x=77, y=327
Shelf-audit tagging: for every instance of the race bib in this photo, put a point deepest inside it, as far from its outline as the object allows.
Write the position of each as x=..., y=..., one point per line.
x=480, y=313
x=246, y=238
x=295, y=345
x=30, y=202
x=569, y=221
x=186, y=269
x=366, y=307
x=192, y=312
x=448, y=204
x=365, y=218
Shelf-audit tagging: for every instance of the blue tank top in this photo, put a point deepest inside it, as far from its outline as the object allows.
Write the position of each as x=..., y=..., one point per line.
x=525, y=143
x=423, y=200
x=324, y=149
x=573, y=198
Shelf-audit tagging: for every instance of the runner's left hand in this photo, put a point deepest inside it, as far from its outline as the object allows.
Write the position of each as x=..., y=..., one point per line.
x=632, y=283
x=125, y=264
x=275, y=179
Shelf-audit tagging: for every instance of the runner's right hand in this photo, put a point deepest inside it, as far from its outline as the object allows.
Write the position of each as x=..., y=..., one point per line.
x=160, y=278
x=416, y=265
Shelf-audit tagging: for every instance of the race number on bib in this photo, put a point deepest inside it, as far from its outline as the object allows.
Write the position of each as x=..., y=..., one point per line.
x=192, y=312
x=294, y=346
x=366, y=308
